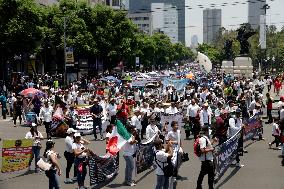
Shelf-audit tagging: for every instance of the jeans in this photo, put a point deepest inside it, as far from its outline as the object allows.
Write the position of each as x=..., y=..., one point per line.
x=35, y=154
x=162, y=182
x=15, y=118
x=53, y=179
x=97, y=122
x=129, y=161
x=47, y=128
x=70, y=160
x=207, y=167
x=269, y=115
x=81, y=174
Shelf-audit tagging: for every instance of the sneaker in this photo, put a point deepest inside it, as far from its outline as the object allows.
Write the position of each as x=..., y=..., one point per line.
x=270, y=145
x=279, y=148
x=131, y=184
x=239, y=165
x=68, y=180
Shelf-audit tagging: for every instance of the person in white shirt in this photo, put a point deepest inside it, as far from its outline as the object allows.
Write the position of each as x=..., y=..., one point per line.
x=205, y=118
x=111, y=110
x=172, y=109
x=81, y=153
x=162, y=158
x=36, y=136
x=281, y=112
x=206, y=158
x=235, y=125
x=45, y=115
x=69, y=154
x=137, y=95
x=276, y=133
x=52, y=158
x=128, y=152
x=152, y=129
x=136, y=120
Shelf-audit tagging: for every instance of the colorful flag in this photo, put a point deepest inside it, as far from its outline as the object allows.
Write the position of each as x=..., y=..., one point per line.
x=118, y=138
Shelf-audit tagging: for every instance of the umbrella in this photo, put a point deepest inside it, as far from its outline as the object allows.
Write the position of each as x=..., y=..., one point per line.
x=31, y=92
x=189, y=76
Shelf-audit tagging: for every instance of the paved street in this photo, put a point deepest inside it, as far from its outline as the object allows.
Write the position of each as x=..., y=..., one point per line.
x=262, y=167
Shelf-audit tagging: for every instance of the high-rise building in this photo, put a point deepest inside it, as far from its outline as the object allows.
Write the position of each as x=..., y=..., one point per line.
x=255, y=9
x=144, y=21
x=179, y=6
x=212, y=22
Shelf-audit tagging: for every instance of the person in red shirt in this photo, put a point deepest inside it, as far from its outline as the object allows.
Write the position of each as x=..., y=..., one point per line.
x=277, y=85
x=123, y=112
x=222, y=127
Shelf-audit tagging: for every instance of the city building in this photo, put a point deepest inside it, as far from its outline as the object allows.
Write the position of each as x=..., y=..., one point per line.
x=170, y=8
x=255, y=9
x=212, y=22
x=144, y=21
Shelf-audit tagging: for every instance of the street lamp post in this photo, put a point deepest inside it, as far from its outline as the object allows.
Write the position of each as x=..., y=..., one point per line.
x=64, y=36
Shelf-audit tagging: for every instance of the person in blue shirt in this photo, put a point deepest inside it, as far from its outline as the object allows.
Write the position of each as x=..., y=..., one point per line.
x=3, y=101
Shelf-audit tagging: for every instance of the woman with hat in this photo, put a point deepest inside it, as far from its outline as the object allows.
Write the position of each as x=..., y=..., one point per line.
x=36, y=136
x=52, y=158
x=81, y=154
x=69, y=154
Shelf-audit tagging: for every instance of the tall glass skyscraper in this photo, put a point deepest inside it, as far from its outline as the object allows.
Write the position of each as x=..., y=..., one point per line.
x=145, y=6
x=212, y=22
x=255, y=9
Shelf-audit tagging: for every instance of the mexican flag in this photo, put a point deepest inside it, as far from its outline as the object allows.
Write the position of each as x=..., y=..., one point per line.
x=119, y=137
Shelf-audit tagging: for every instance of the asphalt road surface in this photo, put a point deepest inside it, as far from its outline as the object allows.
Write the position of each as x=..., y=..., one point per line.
x=262, y=168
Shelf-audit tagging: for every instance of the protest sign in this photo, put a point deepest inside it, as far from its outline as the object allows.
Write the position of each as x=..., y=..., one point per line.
x=172, y=117
x=16, y=155
x=145, y=155
x=225, y=154
x=102, y=168
x=252, y=129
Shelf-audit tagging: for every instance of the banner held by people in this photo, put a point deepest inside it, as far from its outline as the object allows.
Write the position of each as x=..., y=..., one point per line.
x=145, y=155
x=102, y=168
x=225, y=154
x=16, y=155
x=252, y=129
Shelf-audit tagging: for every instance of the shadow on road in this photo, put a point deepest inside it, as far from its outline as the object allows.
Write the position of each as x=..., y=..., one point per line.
x=21, y=175
x=228, y=177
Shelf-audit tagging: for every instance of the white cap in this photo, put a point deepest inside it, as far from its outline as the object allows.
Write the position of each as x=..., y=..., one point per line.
x=77, y=135
x=34, y=125
x=71, y=130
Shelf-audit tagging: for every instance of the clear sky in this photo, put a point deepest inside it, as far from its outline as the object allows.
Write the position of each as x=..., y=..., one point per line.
x=232, y=15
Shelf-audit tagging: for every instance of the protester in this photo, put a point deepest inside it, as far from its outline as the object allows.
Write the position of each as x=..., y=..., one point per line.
x=36, y=136
x=128, y=154
x=18, y=105
x=69, y=155
x=96, y=111
x=46, y=116
x=276, y=134
x=206, y=158
x=162, y=159
x=72, y=117
x=152, y=129
x=52, y=158
x=80, y=162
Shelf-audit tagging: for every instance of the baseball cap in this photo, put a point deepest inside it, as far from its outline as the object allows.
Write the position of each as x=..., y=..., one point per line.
x=71, y=130
x=77, y=135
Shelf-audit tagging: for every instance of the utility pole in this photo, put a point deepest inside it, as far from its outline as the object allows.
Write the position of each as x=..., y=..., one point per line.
x=64, y=36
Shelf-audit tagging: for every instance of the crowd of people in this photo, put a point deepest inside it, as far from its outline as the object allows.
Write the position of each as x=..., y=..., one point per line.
x=214, y=109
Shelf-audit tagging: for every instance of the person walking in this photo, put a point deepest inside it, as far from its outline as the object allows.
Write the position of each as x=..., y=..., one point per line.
x=69, y=155
x=36, y=136
x=276, y=134
x=206, y=158
x=162, y=158
x=269, y=104
x=128, y=154
x=45, y=115
x=18, y=108
x=52, y=158
x=81, y=154
x=96, y=111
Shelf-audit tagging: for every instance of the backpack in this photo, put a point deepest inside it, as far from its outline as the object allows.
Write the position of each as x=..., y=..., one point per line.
x=168, y=169
x=196, y=147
